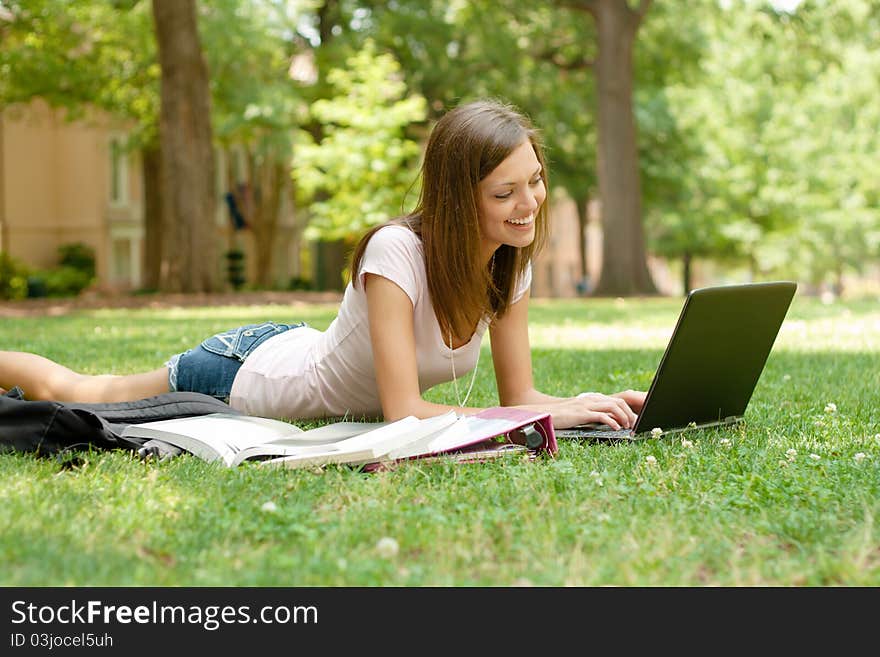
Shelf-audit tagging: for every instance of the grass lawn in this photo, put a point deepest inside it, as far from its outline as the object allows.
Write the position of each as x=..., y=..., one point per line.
x=790, y=497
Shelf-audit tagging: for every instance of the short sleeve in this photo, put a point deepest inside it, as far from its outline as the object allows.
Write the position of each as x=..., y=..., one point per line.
x=394, y=252
x=523, y=283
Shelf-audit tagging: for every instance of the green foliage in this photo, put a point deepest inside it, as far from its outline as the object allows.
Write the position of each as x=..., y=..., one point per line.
x=757, y=126
x=78, y=256
x=298, y=283
x=13, y=277
x=62, y=281
x=76, y=271
x=80, y=54
x=534, y=55
x=357, y=174
x=775, y=160
x=235, y=268
x=254, y=101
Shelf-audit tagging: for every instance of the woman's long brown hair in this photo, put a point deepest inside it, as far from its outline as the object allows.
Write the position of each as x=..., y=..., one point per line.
x=465, y=146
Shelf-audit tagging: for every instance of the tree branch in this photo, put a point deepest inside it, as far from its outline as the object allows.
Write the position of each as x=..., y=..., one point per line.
x=556, y=58
x=642, y=9
x=588, y=6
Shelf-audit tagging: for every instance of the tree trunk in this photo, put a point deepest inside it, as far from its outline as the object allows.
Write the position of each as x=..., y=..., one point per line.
x=624, y=264
x=151, y=159
x=300, y=220
x=268, y=184
x=582, y=202
x=189, y=252
x=838, y=280
x=583, y=285
x=330, y=261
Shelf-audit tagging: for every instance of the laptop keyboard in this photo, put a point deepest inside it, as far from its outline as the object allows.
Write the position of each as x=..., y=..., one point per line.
x=597, y=431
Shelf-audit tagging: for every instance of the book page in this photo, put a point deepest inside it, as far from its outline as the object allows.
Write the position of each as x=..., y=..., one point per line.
x=475, y=429
x=216, y=435
x=439, y=436
x=370, y=446
x=329, y=433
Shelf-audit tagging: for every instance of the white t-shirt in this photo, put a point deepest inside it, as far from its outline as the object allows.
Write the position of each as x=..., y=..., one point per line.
x=306, y=373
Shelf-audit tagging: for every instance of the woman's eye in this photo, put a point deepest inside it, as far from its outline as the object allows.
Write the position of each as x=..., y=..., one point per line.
x=505, y=195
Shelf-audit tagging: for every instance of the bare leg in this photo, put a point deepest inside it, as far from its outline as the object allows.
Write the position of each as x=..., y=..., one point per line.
x=41, y=378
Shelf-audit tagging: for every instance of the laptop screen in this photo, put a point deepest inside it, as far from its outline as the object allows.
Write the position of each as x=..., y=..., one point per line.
x=716, y=354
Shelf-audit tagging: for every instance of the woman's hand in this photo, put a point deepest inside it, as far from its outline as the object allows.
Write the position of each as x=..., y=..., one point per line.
x=635, y=399
x=617, y=411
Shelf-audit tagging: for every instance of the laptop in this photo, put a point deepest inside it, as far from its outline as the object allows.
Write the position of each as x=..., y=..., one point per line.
x=712, y=363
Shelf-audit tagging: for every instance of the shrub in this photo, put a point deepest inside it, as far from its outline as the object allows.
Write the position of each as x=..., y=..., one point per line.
x=13, y=278
x=75, y=273
x=235, y=268
x=79, y=256
x=299, y=283
x=66, y=281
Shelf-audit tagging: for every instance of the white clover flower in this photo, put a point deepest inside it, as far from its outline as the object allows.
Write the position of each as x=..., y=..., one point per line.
x=656, y=432
x=650, y=460
x=686, y=443
x=725, y=442
x=859, y=456
x=269, y=507
x=387, y=547
x=877, y=437
x=783, y=464
x=791, y=454
x=786, y=377
x=815, y=457
x=830, y=407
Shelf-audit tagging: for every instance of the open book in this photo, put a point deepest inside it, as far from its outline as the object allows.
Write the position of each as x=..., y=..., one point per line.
x=234, y=439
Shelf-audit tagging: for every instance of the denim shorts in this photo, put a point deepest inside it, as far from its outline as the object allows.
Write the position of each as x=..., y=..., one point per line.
x=211, y=367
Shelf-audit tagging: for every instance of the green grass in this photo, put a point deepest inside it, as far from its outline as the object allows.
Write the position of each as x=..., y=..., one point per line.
x=790, y=497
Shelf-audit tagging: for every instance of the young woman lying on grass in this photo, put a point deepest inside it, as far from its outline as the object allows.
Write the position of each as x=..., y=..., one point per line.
x=426, y=288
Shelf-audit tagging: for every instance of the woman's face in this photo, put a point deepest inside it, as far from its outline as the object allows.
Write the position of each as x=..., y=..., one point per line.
x=509, y=198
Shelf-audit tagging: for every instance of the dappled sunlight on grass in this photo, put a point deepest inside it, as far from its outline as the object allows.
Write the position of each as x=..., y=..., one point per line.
x=844, y=332
x=571, y=335
x=321, y=314
x=648, y=324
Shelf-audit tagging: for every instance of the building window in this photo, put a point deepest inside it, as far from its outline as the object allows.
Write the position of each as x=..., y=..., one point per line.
x=121, y=259
x=118, y=172
x=125, y=258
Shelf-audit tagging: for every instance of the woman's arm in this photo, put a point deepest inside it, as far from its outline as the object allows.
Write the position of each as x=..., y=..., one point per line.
x=512, y=357
x=392, y=336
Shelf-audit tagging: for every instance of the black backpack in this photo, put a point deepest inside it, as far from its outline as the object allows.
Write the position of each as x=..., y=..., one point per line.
x=47, y=428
